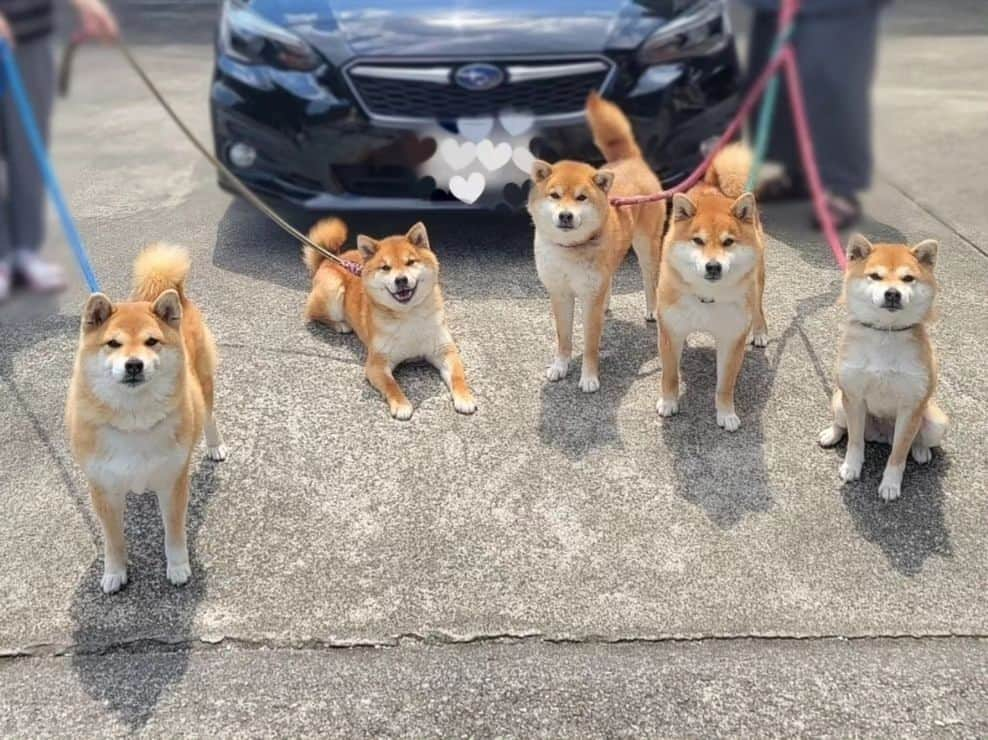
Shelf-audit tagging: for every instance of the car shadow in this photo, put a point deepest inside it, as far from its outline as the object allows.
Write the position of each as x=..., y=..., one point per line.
x=725, y=473
x=148, y=605
x=575, y=422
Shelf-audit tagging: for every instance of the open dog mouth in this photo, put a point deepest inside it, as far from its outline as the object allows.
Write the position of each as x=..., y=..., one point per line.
x=404, y=295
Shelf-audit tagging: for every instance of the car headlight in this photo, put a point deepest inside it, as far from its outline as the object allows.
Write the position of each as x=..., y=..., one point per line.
x=702, y=28
x=250, y=39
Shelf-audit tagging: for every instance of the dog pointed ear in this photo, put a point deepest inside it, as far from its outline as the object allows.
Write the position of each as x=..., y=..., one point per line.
x=926, y=252
x=744, y=208
x=168, y=307
x=418, y=236
x=541, y=170
x=97, y=310
x=603, y=179
x=683, y=208
x=858, y=247
x=367, y=246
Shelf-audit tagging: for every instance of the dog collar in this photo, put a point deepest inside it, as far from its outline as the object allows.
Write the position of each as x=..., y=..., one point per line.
x=589, y=240
x=873, y=327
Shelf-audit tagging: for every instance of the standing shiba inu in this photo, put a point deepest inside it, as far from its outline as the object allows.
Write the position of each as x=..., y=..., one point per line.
x=887, y=372
x=141, y=392
x=712, y=279
x=395, y=306
x=581, y=240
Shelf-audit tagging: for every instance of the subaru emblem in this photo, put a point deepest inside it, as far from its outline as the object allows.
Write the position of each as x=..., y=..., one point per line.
x=479, y=77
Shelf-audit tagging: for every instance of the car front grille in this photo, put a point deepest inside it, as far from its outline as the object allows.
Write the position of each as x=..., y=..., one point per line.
x=428, y=91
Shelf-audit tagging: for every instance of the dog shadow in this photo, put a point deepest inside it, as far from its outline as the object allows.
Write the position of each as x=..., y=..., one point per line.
x=576, y=422
x=910, y=529
x=164, y=612
x=721, y=472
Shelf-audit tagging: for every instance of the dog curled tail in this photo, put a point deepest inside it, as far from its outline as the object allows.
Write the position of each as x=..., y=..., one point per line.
x=160, y=267
x=730, y=169
x=330, y=234
x=611, y=129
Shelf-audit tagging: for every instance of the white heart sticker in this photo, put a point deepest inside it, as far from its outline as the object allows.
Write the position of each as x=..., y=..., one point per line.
x=523, y=159
x=475, y=129
x=516, y=123
x=468, y=190
x=458, y=155
x=493, y=157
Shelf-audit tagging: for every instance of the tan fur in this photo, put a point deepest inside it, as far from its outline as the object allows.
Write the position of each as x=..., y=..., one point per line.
x=579, y=263
x=141, y=436
x=716, y=223
x=887, y=368
x=393, y=332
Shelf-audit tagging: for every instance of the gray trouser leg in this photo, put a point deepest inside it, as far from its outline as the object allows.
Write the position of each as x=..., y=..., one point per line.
x=837, y=53
x=22, y=197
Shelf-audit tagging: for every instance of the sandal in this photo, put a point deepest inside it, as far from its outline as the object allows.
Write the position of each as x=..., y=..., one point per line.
x=845, y=211
x=781, y=188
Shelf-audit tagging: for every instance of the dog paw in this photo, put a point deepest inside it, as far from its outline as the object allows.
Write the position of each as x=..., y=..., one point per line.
x=830, y=436
x=850, y=469
x=111, y=582
x=465, y=405
x=889, y=490
x=667, y=407
x=179, y=573
x=728, y=421
x=651, y=317
x=343, y=328
x=589, y=383
x=401, y=411
x=921, y=454
x=759, y=339
x=558, y=370
x=217, y=453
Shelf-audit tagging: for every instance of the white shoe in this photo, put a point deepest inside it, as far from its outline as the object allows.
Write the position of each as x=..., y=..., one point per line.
x=6, y=278
x=40, y=276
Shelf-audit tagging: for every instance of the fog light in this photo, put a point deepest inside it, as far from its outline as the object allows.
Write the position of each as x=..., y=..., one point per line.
x=242, y=155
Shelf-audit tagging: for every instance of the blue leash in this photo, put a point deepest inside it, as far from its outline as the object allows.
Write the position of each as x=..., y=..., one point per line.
x=11, y=75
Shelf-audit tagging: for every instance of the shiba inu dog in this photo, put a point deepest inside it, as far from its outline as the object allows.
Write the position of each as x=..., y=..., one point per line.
x=141, y=394
x=581, y=240
x=712, y=279
x=395, y=306
x=887, y=371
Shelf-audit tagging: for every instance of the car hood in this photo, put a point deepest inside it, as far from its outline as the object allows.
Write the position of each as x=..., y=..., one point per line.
x=475, y=28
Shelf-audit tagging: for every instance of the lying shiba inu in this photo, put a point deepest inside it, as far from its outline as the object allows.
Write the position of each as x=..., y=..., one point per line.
x=396, y=308
x=141, y=393
x=581, y=240
x=887, y=371
x=712, y=279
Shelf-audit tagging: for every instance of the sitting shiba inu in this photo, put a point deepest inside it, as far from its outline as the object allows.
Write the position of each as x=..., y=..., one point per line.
x=141, y=393
x=887, y=371
x=712, y=279
x=395, y=306
x=581, y=240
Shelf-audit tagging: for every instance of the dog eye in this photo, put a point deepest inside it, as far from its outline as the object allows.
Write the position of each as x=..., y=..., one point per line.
x=410, y=262
x=698, y=241
x=581, y=197
x=555, y=196
x=908, y=278
x=728, y=241
x=151, y=341
x=114, y=344
x=875, y=276
x=385, y=268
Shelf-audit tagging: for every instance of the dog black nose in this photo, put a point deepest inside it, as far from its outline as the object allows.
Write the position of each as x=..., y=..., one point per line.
x=401, y=282
x=714, y=270
x=565, y=218
x=134, y=367
x=893, y=297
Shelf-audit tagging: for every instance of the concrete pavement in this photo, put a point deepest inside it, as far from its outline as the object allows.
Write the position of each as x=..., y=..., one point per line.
x=548, y=517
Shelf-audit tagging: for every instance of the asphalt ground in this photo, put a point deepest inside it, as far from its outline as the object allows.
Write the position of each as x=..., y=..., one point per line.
x=557, y=564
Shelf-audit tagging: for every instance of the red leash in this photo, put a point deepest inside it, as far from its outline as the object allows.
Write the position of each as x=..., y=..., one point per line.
x=784, y=60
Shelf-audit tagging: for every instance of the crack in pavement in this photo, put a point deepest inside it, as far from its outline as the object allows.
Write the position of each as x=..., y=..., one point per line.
x=144, y=646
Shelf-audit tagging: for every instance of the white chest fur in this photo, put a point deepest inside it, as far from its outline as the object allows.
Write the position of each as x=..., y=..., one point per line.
x=726, y=317
x=567, y=269
x=135, y=461
x=886, y=369
x=419, y=334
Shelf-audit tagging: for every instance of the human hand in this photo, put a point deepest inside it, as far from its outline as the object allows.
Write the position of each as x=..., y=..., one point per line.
x=5, y=33
x=96, y=22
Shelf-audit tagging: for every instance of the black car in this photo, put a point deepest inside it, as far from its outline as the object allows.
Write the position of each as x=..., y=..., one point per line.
x=351, y=104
